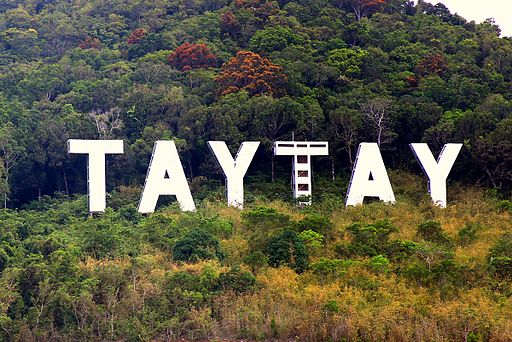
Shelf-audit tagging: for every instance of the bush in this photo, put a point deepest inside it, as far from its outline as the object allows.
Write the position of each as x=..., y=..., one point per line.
x=401, y=249
x=505, y=205
x=500, y=257
x=327, y=268
x=183, y=291
x=262, y=222
x=287, y=249
x=379, y=264
x=237, y=281
x=433, y=232
x=503, y=247
x=318, y=223
x=501, y=266
x=256, y=261
x=332, y=306
x=263, y=218
x=371, y=239
x=197, y=244
x=312, y=239
x=468, y=233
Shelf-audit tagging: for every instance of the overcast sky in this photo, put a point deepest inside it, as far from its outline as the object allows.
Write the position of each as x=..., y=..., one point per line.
x=478, y=10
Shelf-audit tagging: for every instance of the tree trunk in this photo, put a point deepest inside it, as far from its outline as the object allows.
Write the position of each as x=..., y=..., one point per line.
x=65, y=180
x=273, y=171
x=190, y=168
x=333, y=172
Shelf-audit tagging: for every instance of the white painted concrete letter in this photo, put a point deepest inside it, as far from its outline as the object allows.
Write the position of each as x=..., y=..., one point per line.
x=96, y=182
x=301, y=152
x=437, y=171
x=165, y=177
x=234, y=170
x=369, y=163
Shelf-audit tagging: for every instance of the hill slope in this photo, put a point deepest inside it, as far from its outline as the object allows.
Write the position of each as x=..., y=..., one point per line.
x=242, y=70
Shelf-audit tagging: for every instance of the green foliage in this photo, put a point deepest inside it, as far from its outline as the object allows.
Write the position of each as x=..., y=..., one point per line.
x=500, y=256
x=287, y=249
x=256, y=261
x=401, y=249
x=274, y=38
x=468, y=233
x=347, y=60
x=501, y=266
x=370, y=239
x=263, y=218
x=317, y=223
x=196, y=244
x=107, y=236
x=332, y=307
x=312, y=239
x=505, y=205
x=237, y=281
x=379, y=263
x=329, y=268
x=433, y=232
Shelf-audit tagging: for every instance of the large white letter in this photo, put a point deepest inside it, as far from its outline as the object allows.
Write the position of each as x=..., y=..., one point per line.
x=301, y=152
x=165, y=177
x=234, y=170
x=437, y=171
x=96, y=151
x=369, y=163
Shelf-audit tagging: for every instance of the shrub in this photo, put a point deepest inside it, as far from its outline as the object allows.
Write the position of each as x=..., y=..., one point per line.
x=505, y=205
x=183, y=290
x=329, y=268
x=197, y=244
x=312, y=239
x=501, y=266
x=379, y=263
x=468, y=233
x=256, y=261
x=317, y=223
x=401, y=249
x=433, y=232
x=371, y=239
x=500, y=257
x=503, y=247
x=263, y=218
x=332, y=306
x=237, y=281
x=287, y=249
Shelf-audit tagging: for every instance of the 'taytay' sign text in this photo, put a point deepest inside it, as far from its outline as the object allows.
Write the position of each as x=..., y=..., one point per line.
x=165, y=175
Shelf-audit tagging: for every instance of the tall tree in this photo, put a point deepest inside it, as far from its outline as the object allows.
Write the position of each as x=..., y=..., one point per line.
x=250, y=72
x=377, y=111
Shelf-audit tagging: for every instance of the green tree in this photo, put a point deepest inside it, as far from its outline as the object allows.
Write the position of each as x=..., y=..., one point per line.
x=287, y=249
x=197, y=244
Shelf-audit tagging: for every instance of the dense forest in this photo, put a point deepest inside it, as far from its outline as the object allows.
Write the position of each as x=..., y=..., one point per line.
x=342, y=71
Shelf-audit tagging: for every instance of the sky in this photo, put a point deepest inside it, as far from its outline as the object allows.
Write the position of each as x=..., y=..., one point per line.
x=478, y=10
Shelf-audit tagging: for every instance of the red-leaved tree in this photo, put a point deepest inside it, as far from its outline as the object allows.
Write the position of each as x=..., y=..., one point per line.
x=192, y=56
x=136, y=36
x=250, y=72
x=229, y=23
x=434, y=64
x=90, y=43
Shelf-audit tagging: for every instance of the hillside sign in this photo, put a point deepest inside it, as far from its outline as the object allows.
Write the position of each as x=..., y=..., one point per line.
x=165, y=175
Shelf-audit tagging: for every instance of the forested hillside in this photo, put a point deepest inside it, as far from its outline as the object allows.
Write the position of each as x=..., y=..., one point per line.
x=342, y=71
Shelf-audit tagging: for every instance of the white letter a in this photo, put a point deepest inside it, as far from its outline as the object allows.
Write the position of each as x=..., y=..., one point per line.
x=165, y=161
x=369, y=163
